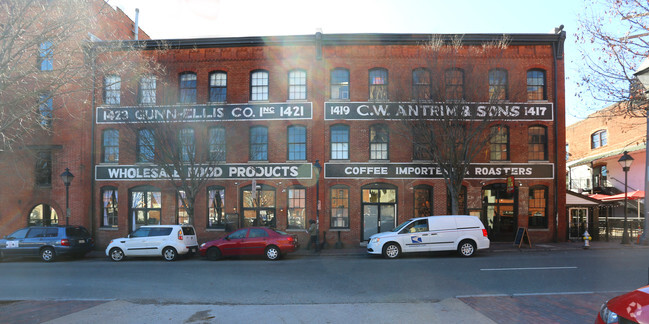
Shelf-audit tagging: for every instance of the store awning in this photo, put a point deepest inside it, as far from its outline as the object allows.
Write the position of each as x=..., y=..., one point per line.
x=632, y=195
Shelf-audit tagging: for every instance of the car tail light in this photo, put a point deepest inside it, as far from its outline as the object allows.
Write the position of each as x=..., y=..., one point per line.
x=180, y=234
x=484, y=232
x=65, y=242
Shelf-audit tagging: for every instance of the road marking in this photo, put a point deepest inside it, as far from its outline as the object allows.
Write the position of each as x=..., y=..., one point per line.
x=532, y=268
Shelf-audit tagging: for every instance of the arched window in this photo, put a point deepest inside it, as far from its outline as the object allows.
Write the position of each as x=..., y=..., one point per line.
x=454, y=81
x=145, y=145
x=421, y=84
x=43, y=215
x=378, y=81
x=340, y=84
x=187, y=144
x=110, y=146
x=339, y=206
x=536, y=88
x=217, y=143
x=297, y=85
x=187, y=87
x=145, y=206
x=379, y=142
x=258, y=143
x=296, y=142
x=147, y=94
x=109, y=205
x=340, y=142
x=112, y=88
x=537, y=140
x=216, y=207
x=296, y=209
x=218, y=86
x=183, y=216
x=498, y=84
x=538, y=207
x=423, y=201
x=499, y=143
x=259, y=85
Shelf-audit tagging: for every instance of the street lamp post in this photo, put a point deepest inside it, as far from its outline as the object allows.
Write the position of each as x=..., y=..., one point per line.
x=318, y=168
x=643, y=76
x=625, y=161
x=67, y=179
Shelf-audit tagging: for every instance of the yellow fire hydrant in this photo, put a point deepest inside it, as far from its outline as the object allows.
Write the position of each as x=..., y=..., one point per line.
x=587, y=239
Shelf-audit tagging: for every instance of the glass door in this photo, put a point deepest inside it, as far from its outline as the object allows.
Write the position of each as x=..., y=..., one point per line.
x=379, y=209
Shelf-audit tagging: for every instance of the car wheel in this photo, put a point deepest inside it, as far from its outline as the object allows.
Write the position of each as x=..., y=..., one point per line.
x=47, y=254
x=116, y=254
x=213, y=253
x=466, y=248
x=272, y=253
x=391, y=251
x=169, y=254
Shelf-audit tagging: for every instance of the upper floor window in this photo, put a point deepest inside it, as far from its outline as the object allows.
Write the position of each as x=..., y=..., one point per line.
x=297, y=85
x=340, y=84
x=258, y=143
x=45, y=110
x=147, y=90
x=421, y=85
x=454, y=84
x=44, y=168
x=296, y=143
x=499, y=143
x=110, y=146
x=537, y=140
x=145, y=145
x=187, y=144
x=218, y=86
x=259, y=85
x=217, y=143
x=421, y=147
x=599, y=138
x=498, y=84
x=536, y=85
x=379, y=142
x=45, y=56
x=340, y=142
x=112, y=88
x=378, y=84
x=187, y=87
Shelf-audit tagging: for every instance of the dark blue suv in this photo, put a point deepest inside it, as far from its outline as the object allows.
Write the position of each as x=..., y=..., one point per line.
x=48, y=242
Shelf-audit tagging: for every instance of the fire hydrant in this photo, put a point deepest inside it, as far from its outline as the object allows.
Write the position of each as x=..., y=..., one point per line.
x=587, y=239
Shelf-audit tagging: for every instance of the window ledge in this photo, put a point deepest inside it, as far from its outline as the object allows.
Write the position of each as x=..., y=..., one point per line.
x=339, y=230
x=215, y=229
x=108, y=228
x=538, y=229
x=295, y=230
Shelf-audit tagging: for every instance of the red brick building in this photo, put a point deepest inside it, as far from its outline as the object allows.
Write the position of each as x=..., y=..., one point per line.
x=272, y=111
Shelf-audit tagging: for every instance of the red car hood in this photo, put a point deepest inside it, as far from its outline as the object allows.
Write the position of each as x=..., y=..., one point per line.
x=633, y=305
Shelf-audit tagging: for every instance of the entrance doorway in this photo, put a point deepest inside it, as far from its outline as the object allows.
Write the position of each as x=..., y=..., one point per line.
x=578, y=222
x=499, y=213
x=258, y=206
x=379, y=204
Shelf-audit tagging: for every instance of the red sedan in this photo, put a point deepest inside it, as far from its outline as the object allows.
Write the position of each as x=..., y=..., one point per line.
x=632, y=307
x=251, y=241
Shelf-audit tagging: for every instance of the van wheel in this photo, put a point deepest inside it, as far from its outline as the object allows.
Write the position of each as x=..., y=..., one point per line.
x=273, y=253
x=213, y=253
x=466, y=248
x=391, y=251
x=47, y=254
x=169, y=254
x=116, y=254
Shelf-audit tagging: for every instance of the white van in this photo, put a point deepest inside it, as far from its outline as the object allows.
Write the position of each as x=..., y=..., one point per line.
x=167, y=241
x=463, y=233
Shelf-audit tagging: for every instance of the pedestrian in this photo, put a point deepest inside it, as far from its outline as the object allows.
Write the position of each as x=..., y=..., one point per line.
x=313, y=233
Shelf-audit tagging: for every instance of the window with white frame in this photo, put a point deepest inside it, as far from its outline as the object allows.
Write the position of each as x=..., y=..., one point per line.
x=148, y=90
x=112, y=88
x=297, y=85
x=296, y=208
x=259, y=85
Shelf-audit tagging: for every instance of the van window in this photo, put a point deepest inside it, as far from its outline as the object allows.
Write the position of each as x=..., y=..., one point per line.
x=416, y=227
x=160, y=231
x=188, y=230
x=442, y=223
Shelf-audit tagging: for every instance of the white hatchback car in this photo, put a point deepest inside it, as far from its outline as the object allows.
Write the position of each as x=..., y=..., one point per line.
x=463, y=233
x=167, y=241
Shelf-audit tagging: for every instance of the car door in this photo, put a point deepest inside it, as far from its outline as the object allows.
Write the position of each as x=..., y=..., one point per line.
x=415, y=236
x=255, y=243
x=136, y=243
x=156, y=240
x=31, y=244
x=231, y=244
x=443, y=231
x=12, y=242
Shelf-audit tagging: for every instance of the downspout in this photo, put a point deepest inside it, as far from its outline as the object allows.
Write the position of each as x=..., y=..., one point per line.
x=556, y=48
x=93, y=68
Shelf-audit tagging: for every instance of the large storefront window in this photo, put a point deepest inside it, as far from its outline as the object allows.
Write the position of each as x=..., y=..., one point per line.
x=183, y=216
x=109, y=207
x=379, y=206
x=216, y=214
x=296, y=208
x=339, y=206
x=146, y=207
x=43, y=215
x=258, y=207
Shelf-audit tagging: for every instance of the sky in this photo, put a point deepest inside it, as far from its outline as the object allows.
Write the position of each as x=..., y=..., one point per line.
x=169, y=19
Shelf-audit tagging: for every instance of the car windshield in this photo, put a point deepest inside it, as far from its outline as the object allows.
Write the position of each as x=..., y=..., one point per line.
x=402, y=225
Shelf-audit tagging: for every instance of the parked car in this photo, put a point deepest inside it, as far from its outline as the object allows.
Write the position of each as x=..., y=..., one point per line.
x=251, y=241
x=463, y=233
x=168, y=241
x=632, y=307
x=48, y=242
